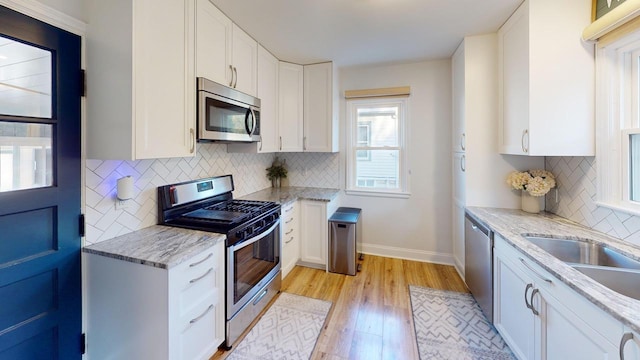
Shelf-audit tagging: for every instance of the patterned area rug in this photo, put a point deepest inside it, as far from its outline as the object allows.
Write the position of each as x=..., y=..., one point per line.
x=287, y=331
x=450, y=325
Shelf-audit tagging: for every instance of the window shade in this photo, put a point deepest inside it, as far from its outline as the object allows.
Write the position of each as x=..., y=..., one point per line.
x=369, y=93
x=614, y=21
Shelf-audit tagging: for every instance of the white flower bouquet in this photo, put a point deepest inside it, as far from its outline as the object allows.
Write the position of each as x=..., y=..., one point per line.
x=535, y=182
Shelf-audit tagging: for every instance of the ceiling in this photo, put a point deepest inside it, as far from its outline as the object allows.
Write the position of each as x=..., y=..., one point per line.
x=357, y=32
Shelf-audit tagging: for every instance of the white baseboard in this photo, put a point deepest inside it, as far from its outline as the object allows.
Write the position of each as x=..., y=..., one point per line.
x=459, y=267
x=408, y=254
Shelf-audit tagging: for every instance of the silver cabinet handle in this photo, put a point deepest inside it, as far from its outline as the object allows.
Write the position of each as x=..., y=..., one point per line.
x=235, y=71
x=626, y=337
x=288, y=241
x=535, y=272
x=526, y=299
x=280, y=143
x=463, y=140
x=525, y=133
x=304, y=143
x=463, y=163
x=200, y=277
x=533, y=309
x=288, y=221
x=192, y=132
x=195, y=320
x=288, y=209
x=231, y=69
x=201, y=261
x=260, y=141
x=289, y=232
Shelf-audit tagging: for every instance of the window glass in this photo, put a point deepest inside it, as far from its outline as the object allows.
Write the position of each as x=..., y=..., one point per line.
x=634, y=167
x=25, y=156
x=25, y=80
x=376, y=148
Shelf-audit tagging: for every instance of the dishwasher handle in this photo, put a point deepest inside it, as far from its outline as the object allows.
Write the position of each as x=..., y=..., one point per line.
x=477, y=226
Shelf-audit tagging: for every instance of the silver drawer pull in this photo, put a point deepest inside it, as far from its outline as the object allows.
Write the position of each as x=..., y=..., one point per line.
x=288, y=241
x=289, y=232
x=201, y=261
x=288, y=209
x=535, y=272
x=290, y=220
x=197, y=318
x=201, y=277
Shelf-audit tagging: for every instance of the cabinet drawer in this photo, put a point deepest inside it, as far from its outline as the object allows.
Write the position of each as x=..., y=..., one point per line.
x=198, y=278
x=198, y=329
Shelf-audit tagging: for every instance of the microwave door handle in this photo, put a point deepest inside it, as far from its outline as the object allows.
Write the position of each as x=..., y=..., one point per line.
x=250, y=127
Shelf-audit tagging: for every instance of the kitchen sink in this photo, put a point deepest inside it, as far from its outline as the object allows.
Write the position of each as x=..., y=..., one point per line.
x=607, y=266
x=622, y=281
x=584, y=252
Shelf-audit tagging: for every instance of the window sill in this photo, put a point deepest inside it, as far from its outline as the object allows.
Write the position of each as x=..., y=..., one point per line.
x=618, y=207
x=387, y=194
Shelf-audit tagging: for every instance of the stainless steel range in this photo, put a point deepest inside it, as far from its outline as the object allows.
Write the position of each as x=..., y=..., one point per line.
x=253, y=242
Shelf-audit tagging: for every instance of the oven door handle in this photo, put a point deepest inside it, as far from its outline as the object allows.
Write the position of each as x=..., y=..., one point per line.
x=255, y=238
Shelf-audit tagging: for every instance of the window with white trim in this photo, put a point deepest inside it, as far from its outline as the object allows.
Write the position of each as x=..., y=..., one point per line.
x=618, y=123
x=376, y=160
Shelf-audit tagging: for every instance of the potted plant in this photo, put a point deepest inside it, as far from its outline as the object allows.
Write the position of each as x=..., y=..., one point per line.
x=534, y=185
x=276, y=172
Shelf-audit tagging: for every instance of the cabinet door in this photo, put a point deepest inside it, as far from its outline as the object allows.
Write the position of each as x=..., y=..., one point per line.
x=457, y=82
x=290, y=109
x=213, y=43
x=512, y=318
x=459, y=177
x=319, y=117
x=244, y=59
x=568, y=336
x=458, y=237
x=268, y=94
x=164, y=120
x=314, y=232
x=513, y=85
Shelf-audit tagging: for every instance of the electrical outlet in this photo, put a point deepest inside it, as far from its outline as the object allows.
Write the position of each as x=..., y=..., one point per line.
x=122, y=204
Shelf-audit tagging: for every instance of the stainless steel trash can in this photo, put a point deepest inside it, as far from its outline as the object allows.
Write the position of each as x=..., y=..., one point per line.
x=345, y=231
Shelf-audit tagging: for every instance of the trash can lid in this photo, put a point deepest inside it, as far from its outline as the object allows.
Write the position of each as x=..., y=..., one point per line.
x=346, y=215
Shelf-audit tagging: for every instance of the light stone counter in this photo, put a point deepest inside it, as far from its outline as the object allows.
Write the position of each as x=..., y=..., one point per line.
x=513, y=224
x=158, y=246
x=289, y=194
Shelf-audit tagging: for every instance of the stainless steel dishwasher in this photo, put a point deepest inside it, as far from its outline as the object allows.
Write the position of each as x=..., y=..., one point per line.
x=478, y=263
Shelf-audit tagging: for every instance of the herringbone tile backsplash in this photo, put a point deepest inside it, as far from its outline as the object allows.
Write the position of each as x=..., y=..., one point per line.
x=105, y=222
x=248, y=170
x=576, y=177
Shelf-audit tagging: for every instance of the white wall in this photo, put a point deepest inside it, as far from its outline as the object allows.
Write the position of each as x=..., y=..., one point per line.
x=418, y=227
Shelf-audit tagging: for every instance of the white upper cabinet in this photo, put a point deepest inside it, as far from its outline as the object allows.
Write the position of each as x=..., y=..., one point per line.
x=290, y=109
x=225, y=54
x=213, y=43
x=546, y=80
x=320, y=108
x=268, y=68
x=140, y=79
x=457, y=82
x=244, y=60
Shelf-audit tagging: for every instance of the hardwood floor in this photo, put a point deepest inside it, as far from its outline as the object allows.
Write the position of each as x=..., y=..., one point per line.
x=371, y=313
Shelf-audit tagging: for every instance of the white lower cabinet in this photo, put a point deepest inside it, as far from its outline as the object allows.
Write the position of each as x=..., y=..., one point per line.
x=290, y=238
x=314, y=232
x=541, y=318
x=142, y=312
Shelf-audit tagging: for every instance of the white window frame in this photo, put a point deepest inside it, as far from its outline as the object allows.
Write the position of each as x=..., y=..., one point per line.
x=617, y=116
x=352, y=187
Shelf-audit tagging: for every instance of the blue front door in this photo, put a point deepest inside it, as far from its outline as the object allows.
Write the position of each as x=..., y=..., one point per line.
x=40, y=172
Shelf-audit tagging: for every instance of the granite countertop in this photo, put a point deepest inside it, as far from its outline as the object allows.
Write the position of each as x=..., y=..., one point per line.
x=290, y=194
x=513, y=224
x=158, y=246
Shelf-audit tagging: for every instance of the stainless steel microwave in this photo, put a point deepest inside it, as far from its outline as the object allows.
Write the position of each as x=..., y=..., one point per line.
x=226, y=114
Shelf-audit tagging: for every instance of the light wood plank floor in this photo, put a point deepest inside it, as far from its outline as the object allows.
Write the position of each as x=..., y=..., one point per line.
x=371, y=313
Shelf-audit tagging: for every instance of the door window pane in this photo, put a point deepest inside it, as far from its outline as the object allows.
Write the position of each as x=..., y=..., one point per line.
x=25, y=80
x=25, y=156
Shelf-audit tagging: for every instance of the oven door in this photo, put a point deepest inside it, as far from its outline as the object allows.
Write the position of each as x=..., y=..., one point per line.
x=223, y=119
x=251, y=264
